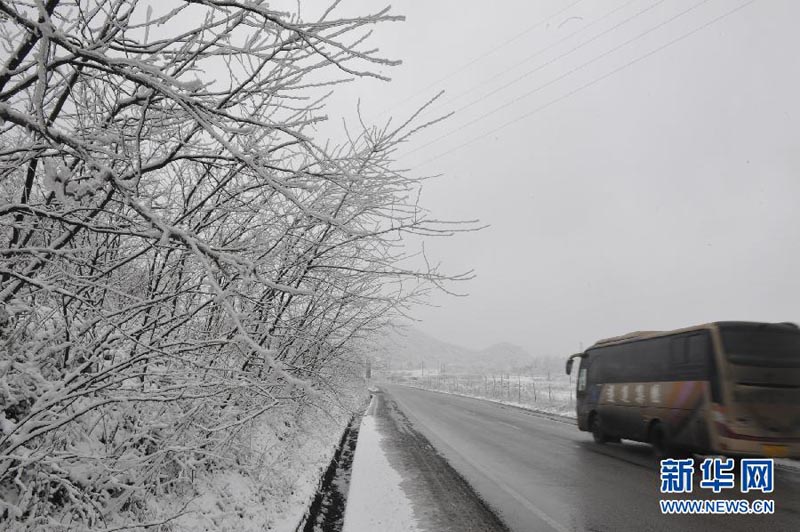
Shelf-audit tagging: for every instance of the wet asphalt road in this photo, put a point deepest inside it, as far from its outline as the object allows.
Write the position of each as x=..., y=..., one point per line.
x=441, y=500
x=542, y=474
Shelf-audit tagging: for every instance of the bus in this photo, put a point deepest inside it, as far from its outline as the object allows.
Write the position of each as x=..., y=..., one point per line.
x=729, y=388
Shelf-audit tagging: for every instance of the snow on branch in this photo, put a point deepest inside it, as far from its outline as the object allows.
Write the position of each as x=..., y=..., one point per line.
x=181, y=258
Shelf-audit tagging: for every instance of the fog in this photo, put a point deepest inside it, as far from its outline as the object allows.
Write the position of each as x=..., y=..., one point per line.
x=636, y=162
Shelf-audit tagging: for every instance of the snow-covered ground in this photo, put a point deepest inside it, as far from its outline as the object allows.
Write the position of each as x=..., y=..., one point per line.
x=271, y=493
x=555, y=409
x=376, y=502
x=548, y=392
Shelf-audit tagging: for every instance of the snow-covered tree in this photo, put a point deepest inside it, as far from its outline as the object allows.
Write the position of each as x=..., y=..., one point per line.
x=180, y=254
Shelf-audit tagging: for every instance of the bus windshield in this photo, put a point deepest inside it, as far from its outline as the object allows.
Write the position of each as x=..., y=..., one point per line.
x=762, y=345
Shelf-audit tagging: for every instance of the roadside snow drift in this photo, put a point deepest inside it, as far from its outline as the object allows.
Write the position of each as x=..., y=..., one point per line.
x=376, y=501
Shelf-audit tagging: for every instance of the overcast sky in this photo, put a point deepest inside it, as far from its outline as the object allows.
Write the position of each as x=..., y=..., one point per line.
x=629, y=183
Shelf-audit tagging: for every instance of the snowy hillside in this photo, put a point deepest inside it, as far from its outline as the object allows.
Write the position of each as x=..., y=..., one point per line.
x=413, y=349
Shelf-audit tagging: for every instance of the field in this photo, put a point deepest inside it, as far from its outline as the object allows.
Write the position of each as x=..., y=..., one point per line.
x=546, y=391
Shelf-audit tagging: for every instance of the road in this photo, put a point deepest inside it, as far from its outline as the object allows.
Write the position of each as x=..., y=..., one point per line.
x=441, y=500
x=542, y=474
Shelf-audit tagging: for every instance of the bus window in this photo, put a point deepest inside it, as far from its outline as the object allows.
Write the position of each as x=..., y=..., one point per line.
x=698, y=350
x=678, y=351
x=689, y=357
x=762, y=345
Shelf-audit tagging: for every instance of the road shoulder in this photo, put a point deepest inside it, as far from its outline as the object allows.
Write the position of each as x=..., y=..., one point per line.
x=400, y=482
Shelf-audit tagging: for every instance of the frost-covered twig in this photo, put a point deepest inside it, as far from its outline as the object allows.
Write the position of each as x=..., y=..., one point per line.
x=181, y=259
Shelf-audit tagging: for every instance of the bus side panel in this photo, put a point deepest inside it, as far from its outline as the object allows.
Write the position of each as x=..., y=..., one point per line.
x=619, y=410
x=691, y=428
x=628, y=409
x=682, y=408
x=586, y=404
x=621, y=414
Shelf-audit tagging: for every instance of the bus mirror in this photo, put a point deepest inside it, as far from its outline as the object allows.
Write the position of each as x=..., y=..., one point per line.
x=571, y=359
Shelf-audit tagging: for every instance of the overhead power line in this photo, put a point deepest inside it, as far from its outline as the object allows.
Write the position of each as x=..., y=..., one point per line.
x=590, y=83
x=559, y=78
x=539, y=52
x=564, y=75
x=564, y=54
x=480, y=57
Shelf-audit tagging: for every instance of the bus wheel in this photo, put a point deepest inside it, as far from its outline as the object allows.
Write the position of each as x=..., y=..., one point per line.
x=597, y=430
x=660, y=442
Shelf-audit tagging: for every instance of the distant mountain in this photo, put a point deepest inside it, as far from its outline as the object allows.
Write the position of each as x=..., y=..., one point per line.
x=413, y=349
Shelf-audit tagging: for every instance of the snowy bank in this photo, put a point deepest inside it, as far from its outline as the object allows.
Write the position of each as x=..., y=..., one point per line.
x=376, y=501
x=272, y=490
